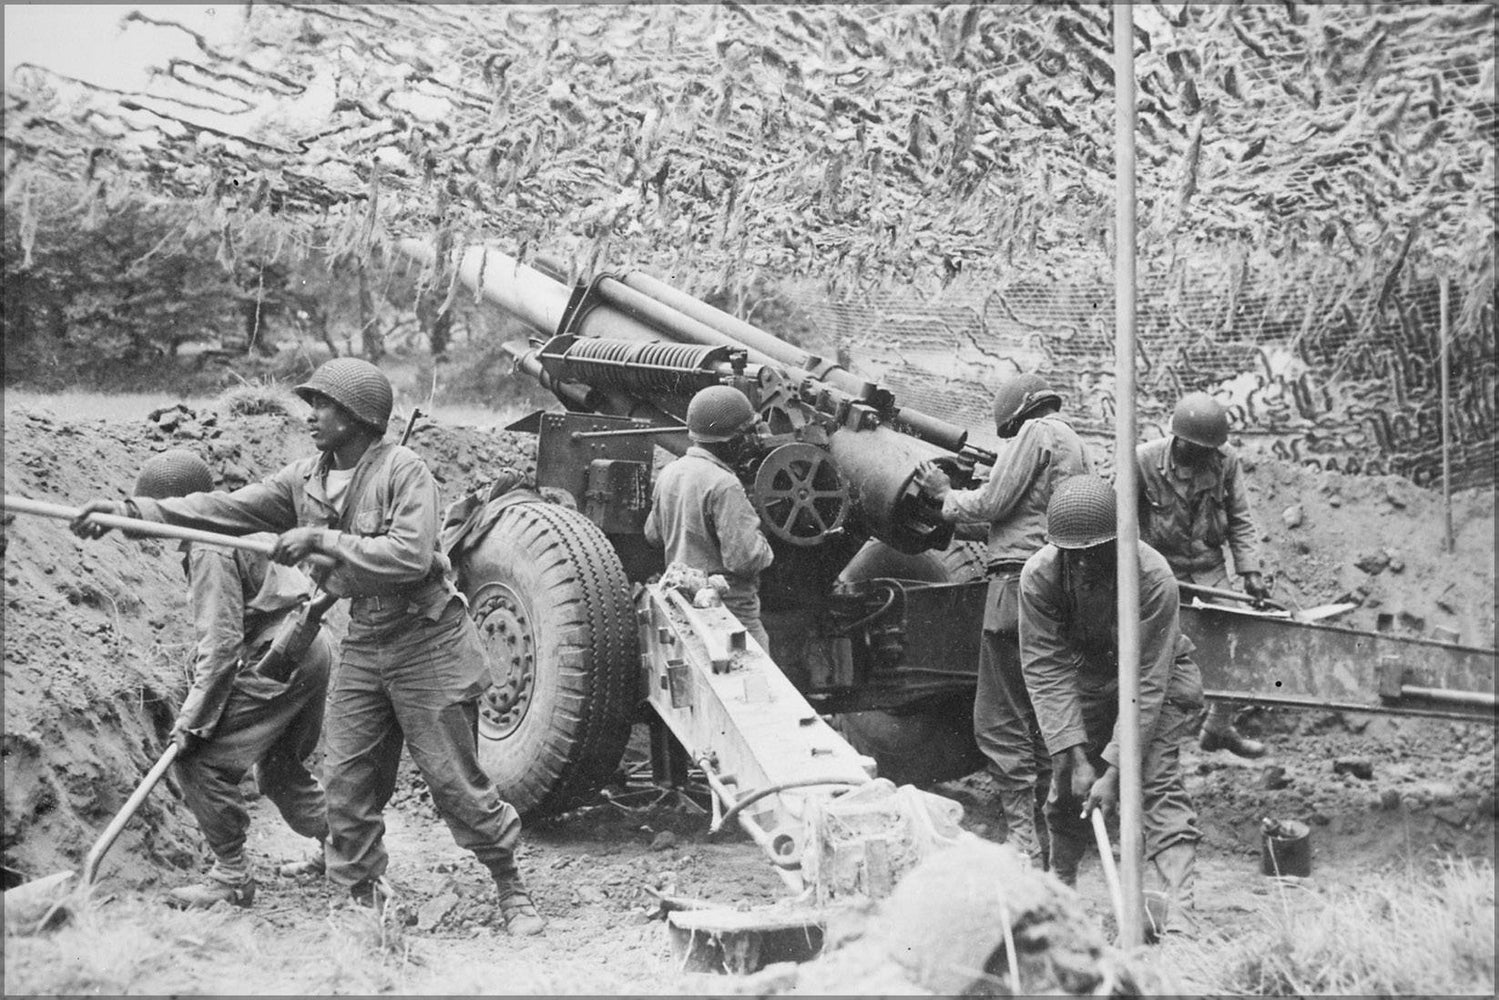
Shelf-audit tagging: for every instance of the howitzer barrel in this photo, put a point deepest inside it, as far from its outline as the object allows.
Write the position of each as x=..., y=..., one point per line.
x=522, y=291
x=771, y=347
x=638, y=307
x=880, y=465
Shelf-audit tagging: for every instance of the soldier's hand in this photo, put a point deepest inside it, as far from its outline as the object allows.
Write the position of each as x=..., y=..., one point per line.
x=1083, y=776
x=85, y=526
x=186, y=741
x=1104, y=794
x=295, y=545
x=1254, y=586
x=931, y=478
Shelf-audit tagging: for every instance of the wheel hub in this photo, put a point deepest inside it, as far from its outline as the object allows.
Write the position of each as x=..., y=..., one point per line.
x=505, y=629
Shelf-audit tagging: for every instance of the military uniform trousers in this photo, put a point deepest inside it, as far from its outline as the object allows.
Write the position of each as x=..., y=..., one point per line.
x=273, y=728
x=1004, y=722
x=419, y=681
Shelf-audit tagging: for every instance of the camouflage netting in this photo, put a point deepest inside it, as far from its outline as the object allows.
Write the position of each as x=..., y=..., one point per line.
x=1307, y=177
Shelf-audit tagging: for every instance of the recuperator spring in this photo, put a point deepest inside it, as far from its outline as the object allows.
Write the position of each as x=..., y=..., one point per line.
x=640, y=367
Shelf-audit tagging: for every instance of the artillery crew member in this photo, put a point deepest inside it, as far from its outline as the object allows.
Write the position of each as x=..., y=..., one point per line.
x=1043, y=450
x=1193, y=501
x=411, y=666
x=700, y=512
x=1069, y=646
x=233, y=718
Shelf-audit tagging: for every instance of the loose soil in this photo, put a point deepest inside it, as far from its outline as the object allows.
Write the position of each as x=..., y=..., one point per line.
x=98, y=650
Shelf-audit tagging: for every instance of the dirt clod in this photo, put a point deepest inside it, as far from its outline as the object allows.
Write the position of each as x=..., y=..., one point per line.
x=1357, y=767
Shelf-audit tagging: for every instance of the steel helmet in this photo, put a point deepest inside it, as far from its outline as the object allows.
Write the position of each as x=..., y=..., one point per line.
x=1081, y=513
x=174, y=473
x=1020, y=393
x=718, y=413
x=354, y=384
x=1201, y=419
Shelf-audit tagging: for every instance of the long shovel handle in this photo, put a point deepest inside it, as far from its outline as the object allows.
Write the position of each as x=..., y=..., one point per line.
x=135, y=526
x=112, y=831
x=1110, y=870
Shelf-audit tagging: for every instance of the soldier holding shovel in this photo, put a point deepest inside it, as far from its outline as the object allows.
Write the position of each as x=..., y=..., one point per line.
x=234, y=717
x=412, y=667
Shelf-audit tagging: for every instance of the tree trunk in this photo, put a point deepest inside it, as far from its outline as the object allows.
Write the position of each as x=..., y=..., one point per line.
x=439, y=325
x=372, y=335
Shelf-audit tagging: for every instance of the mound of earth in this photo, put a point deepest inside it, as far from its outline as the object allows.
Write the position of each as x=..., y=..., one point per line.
x=1377, y=541
x=98, y=642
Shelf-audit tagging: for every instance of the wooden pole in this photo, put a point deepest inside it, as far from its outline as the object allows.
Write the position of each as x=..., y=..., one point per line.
x=1131, y=814
x=1444, y=364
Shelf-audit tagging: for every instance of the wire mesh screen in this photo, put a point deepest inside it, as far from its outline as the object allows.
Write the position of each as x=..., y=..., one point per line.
x=1304, y=378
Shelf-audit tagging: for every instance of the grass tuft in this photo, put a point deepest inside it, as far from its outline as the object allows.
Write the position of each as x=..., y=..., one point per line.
x=255, y=397
x=1411, y=935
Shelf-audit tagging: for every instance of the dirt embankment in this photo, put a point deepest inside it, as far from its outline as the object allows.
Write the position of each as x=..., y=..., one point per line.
x=1378, y=541
x=98, y=644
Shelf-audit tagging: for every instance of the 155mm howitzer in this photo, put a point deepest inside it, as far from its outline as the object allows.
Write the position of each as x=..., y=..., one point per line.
x=873, y=607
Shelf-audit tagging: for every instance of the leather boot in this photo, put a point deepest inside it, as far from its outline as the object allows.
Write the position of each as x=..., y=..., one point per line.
x=314, y=865
x=1066, y=854
x=1178, y=867
x=228, y=881
x=516, y=908
x=1020, y=823
x=210, y=891
x=1218, y=733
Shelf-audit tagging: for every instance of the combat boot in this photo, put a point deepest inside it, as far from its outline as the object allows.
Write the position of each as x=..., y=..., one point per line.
x=315, y=865
x=517, y=911
x=1019, y=807
x=1218, y=733
x=227, y=882
x=1066, y=854
x=208, y=892
x=1178, y=867
x=1233, y=741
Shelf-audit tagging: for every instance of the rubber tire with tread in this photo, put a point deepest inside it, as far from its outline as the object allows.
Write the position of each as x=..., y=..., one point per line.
x=559, y=579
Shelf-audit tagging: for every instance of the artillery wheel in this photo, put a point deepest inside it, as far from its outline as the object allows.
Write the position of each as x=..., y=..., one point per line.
x=800, y=495
x=932, y=741
x=553, y=608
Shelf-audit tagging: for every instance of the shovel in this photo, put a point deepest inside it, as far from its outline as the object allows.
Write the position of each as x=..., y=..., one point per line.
x=34, y=905
x=1156, y=905
x=135, y=527
x=1265, y=604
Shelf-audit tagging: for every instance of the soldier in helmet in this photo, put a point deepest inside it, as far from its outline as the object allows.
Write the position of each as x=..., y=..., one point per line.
x=233, y=718
x=411, y=666
x=1069, y=635
x=1193, y=501
x=700, y=512
x=1043, y=450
